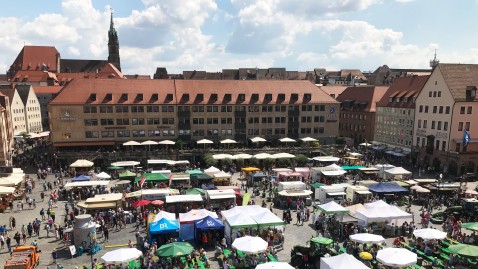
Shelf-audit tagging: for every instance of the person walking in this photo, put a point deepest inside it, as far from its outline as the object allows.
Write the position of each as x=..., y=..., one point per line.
x=54, y=256
x=9, y=244
x=106, y=233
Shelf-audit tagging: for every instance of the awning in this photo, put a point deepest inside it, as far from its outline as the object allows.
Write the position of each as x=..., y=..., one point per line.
x=222, y=196
x=97, y=205
x=336, y=193
x=184, y=198
x=363, y=192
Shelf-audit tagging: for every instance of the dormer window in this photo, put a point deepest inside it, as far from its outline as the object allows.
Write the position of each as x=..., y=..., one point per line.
x=398, y=100
x=213, y=96
x=139, y=97
x=108, y=97
x=405, y=99
x=169, y=97
x=200, y=97
x=254, y=97
x=390, y=99
x=470, y=92
x=307, y=96
x=227, y=97
x=268, y=97
x=185, y=97
x=242, y=97
x=154, y=98
x=294, y=97
x=92, y=97
x=281, y=97
x=124, y=97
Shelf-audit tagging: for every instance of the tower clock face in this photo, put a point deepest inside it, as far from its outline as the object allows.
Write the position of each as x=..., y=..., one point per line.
x=332, y=110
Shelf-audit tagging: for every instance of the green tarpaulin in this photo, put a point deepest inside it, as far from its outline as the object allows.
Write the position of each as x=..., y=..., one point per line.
x=316, y=185
x=194, y=172
x=355, y=167
x=153, y=177
x=321, y=240
x=195, y=191
x=201, y=177
x=127, y=174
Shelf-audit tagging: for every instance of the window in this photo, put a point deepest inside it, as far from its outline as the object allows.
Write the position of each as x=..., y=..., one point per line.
x=447, y=110
x=425, y=124
x=306, y=119
x=469, y=110
x=280, y=108
x=197, y=121
x=212, y=120
x=439, y=93
x=253, y=120
x=226, y=120
x=429, y=94
x=122, y=121
x=168, y=120
x=92, y=134
x=171, y=109
x=107, y=134
x=122, y=133
x=306, y=107
x=440, y=110
x=253, y=108
x=226, y=132
x=426, y=109
x=137, y=121
x=439, y=125
x=462, y=110
x=467, y=125
x=198, y=132
x=154, y=133
x=107, y=122
x=435, y=109
x=153, y=121
x=280, y=120
x=419, y=123
x=91, y=122
x=89, y=109
x=266, y=120
x=443, y=145
x=445, y=126
x=139, y=133
x=199, y=109
x=433, y=125
x=121, y=109
x=212, y=132
x=460, y=126
x=421, y=109
x=137, y=109
x=226, y=108
x=212, y=108
x=418, y=141
x=106, y=109
x=437, y=144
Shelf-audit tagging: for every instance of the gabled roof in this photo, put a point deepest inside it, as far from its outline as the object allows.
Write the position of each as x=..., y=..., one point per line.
x=405, y=87
x=458, y=77
x=8, y=92
x=363, y=94
x=23, y=91
x=33, y=76
x=33, y=57
x=81, y=66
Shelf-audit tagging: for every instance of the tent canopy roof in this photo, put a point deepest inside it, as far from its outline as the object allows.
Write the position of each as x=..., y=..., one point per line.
x=387, y=187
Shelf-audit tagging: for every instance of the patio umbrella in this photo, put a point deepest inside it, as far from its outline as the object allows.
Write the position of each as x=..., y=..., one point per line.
x=308, y=139
x=122, y=255
x=222, y=156
x=131, y=143
x=464, y=250
x=81, y=163
x=257, y=139
x=367, y=238
x=141, y=203
x=396, y=257
x=250, y=244
x=274, y=265
x=242, y=156
x=422, y=190
x=149, y=143
x=115, y=168
x=157, y=202
x=365, y=144
x=204, y=141
x=283, y=155
x=228, y=141
x=175, y=249
x=429, y=233
x=103, y=175
x=286, y=140
x=166, y=142
x=261, y=156
x=470, y=226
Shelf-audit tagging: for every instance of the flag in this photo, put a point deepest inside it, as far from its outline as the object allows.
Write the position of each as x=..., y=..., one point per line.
x=466, y=138
x=141, y=182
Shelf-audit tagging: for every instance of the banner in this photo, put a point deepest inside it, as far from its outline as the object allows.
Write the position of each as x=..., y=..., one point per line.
x=245, y=199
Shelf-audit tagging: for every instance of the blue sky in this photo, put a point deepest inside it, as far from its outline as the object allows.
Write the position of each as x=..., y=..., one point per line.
x=213, y=35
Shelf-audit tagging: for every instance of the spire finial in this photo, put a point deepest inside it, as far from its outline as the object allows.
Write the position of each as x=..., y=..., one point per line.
x=112, y=24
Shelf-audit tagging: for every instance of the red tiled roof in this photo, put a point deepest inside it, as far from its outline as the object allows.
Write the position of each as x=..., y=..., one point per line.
x=79, y=90
x=33, y=76
x=47, y=89
x=333, y=89
x=33, y=57
x=364, y=94
x=458, y=77
x=407, y=87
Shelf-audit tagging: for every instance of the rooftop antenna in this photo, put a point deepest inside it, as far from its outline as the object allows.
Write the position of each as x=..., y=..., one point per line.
x=435, y=61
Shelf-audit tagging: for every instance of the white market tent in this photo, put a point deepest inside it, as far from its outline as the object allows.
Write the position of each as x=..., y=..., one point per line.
x=248, y=210
x=267, y=218
x=239, y=221
x=184, y=198
x=103, y=175
x=196, y=214
x=90, y=183
x=6, y=190
x=333, y=173
x=391, y=214
x=342, y=261
x=366, y=238
x=166, y=215
x=354, y=208
x=222, y=174
x=333, y=208
x=396, y=171
x=396, y=257
x=212, y=170
x=379, y=203
x=326, y=159
x=429, y=234
x=10, y=181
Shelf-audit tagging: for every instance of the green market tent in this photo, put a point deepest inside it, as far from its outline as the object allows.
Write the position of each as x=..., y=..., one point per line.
x=354, y=167
x=195, y=191
x=115, y=168
x=153, y=177
x=321, y=240
x=194, y=172
x=201, y=177
x=316, y=185
x=127, y=173
x=333, y=208
x=470, y=226
x=175, y=249
x=464, y=250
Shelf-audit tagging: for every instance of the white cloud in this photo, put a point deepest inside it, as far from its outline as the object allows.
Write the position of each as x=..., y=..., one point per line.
x=404, y=1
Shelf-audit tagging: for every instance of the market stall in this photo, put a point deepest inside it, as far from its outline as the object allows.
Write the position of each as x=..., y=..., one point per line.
x=158, y=179
x=182, y=203
x=342, y=261
x=396, y=173
x=162, y=230
x=202, y=180
x=212, y=170
x=210, y=227
x=221, y=179
x=180, y=180
x=187, y=222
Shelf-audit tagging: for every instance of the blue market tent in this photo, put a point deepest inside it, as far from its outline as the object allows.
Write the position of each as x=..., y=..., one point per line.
x=81, y=178
x=164, y=226
x=208, y=223
x=387, y=188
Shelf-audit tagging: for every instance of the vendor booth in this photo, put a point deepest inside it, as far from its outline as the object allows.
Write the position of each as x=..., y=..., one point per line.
x=187, y=222
x=305, y=171
x=369, y=173
x=396, y=173
x=153, y=194
x=342, y=261
x=237, y=191
x=210, y=227
x=332, y=208
x=154, y=179
x=221, y=198
x=246, y=171
x=162, y=230
x=380, y=214
x=102, y=201
x=291, y=185
x=202, y=180
x=387, y=188
x=182, y=203
x=212, y=170
x=357, y=194
x=81, y=178
x=179, y=180
x=221, y=179
x=290, y=176
x=255, y=178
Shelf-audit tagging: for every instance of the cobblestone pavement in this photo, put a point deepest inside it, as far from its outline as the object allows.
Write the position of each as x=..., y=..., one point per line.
x=294, y=234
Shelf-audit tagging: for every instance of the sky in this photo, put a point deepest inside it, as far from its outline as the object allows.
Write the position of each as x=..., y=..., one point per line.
x=213, y=35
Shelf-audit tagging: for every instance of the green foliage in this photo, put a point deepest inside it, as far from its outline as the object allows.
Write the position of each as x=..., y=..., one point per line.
x=301, y=160
x=226, y=162
x=284, y=162
x=239, y=163
x=209, y=160
x=268, y=163
x=339, y=140
x=314, y=144
x=253, y=162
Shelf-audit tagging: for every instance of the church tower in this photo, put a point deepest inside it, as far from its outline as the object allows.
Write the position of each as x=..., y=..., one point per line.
x=113, y=45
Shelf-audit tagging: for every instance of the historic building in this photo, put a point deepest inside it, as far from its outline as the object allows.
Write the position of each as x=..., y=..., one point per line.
x=108, y=112
x=445, y=108
x=24, y=108
x=395, y=114
x=357, y=114
x=6, y=131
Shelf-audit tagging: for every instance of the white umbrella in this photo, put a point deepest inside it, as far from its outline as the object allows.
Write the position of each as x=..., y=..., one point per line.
x=228, y=141
x=242, y=156
x=257, y=139
x=308, y=139
x=367, y=238
x=396, y=257
x=365, y=144
x=149, y=142
x=261, y=156
x=121, y=255
x=81, y=163
x=205, y=141
x=166, y=142
x=428, y=234
x=286, y=140
x=103, y=175
x=274, y=265
x=131, y=143
x=222, y=156
x=422, y=190
x=250, y=244
x=283, y=155
x=6, y=190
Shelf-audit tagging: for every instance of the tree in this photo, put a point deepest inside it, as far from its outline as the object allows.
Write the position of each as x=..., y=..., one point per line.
x=268, y=163
x=253, y=162
x=227, y=162
x=209, y=160
x=283, y=162
x=339, y=140
x=301, y=160
x=239, y=164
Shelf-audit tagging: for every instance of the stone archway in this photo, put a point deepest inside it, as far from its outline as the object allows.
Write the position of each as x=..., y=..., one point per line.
x=452, y=168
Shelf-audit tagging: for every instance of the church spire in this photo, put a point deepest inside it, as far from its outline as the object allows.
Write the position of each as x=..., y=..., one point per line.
x=113, y=45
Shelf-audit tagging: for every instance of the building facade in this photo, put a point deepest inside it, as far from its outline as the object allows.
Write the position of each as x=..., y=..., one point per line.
x=396, y=113
x=446, y=106
x=44, y=95
x=6, y=131
x=108, y=112
x=357, y=114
